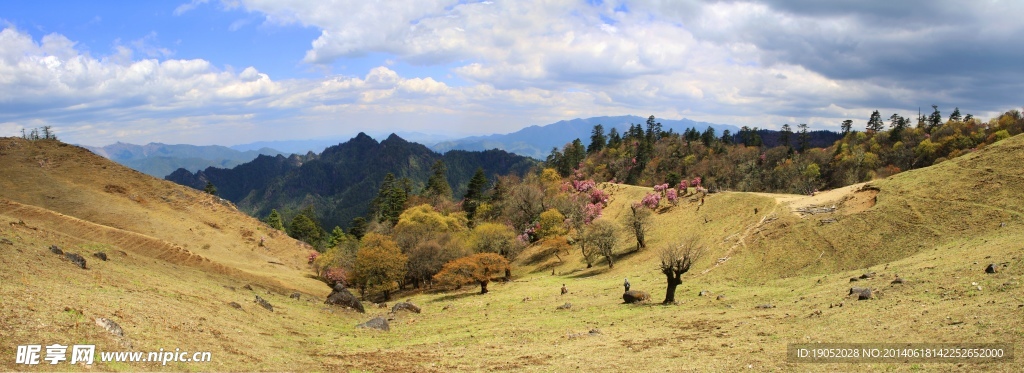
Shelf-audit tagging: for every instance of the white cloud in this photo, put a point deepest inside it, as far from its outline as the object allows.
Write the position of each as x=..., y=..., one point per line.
x=183, y=8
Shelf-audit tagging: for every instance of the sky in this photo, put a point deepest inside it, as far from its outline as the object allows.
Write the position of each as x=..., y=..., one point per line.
x=230, y=72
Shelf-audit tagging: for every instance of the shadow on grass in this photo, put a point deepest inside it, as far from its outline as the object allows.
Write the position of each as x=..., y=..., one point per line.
x=541, y=255
x=589, y=272
x=451, y=297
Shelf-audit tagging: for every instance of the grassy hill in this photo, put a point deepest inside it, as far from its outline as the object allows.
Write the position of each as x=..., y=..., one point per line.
x=937, y=228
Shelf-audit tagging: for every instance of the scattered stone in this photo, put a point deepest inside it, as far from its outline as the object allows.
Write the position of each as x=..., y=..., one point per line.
x=704, y=293
x=815, y=313
x=854, y=279
x=720, y=297
x=110, y=326
x=864, y=295
x=446, y=307
x=235, y=305
x=565, y=306
x=898, y=280
x=378, y=323
x=991, y=268
x=979, y=288
x=635, y=296
x=405, y=306
x=247, y=287
x=263, y=303
x=56, y=250
x=6, y=241
x=75, y=258
x=856, y=290
x=100, y=255
x=381, y=305
x=591, y=333
x=867, y=275
x=342, y=297
x=296, y=296
x=764, y=306
x=527, y=299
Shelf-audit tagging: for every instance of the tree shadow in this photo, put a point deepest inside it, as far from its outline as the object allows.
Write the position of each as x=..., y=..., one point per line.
x=541, y=255
x=590, y=272
x=451, y=297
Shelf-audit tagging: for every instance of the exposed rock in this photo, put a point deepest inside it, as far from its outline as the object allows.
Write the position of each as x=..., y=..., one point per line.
x=635, y=296
x=854, y=279
x=591, y=333
x=898, y=280
x=405, y=306
x=378, y=323
x=100, y=255
x=75, y=258
x=295, y=296
x=247, y=287
x=110, y=326
x=527, y=299
x=565, y=306
x=235, y=305
x=864, y=295
x=856, y=290
x=991, y=268
x=263, y=303
x=720, y=297
x=704, y=293
x=764, y=306
x=815, y=313
x=342, y=297
x=867, y=275
x=56, y=250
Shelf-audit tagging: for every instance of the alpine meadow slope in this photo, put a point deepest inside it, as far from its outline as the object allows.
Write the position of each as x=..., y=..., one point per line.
x=774, y=276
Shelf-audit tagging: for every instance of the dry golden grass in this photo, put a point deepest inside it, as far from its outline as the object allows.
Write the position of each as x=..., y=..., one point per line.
x=937, y=228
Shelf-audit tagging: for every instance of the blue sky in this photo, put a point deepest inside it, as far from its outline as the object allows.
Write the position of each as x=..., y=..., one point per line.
x=237, y=71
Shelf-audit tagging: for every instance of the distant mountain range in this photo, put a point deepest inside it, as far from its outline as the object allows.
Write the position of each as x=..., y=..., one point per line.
x=159, y=160
x=318, y=145
x=536, y=141
x=341, y=181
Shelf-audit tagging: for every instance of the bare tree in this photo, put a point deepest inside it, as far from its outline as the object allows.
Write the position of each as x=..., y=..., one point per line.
x=602, y=235
x=639, y=223
x=675, y=261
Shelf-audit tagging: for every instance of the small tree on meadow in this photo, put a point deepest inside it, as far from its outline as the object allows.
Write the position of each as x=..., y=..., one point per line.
x=476, y=268
x=639, y=222
x=675, y=261
x=380, y=265
x=274, y=220
x=210, y=189
x=602, y=235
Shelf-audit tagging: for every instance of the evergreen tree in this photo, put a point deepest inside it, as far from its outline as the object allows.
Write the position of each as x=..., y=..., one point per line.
x=708, y=137
x=210, y=189
x=357, y=227
x=274, y=220
x=897, y=124
x=337, y=235
x=390, y=200
x=597, y=140
x=875, y=122
x=437, y=184
x=785, y=134
x=614, y=140
x=305, y=229
x=804, y=138
x=474, y=193
x=847, y=126
x=727, y=137
x=955, y=117
x=934, y=120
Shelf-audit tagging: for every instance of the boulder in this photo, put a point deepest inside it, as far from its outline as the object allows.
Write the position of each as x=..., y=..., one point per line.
x=110, y=326
x=56, y=250
x=405, y=306
x=378, y=323
x=342, y=297
x=867, y=275
x=100, y=255
x=856, y=290
x=565, y=306
x=295, y=296
x=75, y=258
x=235, y=305
x=991, y=268
x=704, y=293
x=864, y=295
x=263, y=303
x=898, y=280
x=635, y=296
x=720, y=297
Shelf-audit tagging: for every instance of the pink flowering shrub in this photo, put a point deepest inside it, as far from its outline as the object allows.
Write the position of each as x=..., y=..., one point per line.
x=671, y=196
x=336, y=274
x=651, y=200
x=661, y=188
x=696, y=181
x=583, y=186
x=598, y=196
x=312, y=256
x=592, y=211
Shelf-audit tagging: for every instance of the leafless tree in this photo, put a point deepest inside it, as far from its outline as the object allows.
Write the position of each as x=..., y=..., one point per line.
x=677, y=260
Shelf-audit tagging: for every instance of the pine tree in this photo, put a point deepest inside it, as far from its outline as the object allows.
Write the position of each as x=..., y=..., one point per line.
x=614, y=139
x=955, y=117
x=847, y=126
x=875, y=122
x=437, y=184
x=210, y=189
x=804, y=138
x=597, y=140
x=274, y=220
x=474, y=193
x=390, y=200
x=357, y=227
x=785, y=134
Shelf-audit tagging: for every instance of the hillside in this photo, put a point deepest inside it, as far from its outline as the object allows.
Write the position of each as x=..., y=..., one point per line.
x=159, y=160
x=936, y=227
x=341, y=181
